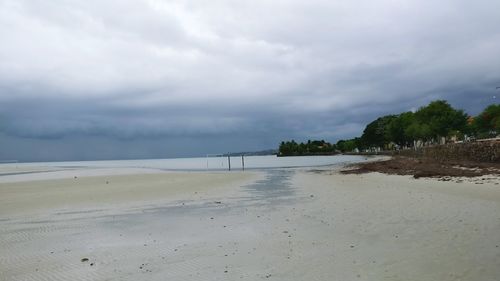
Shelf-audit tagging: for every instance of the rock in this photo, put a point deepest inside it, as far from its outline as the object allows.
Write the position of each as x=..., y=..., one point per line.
x=85, y=260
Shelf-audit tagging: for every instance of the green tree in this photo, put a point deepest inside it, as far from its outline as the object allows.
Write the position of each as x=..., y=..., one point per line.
x=348, y=145
x=487, y=124
x=291, y=148
x=377, y=132
x=418, y=131
x=438, y=119
x=397, y=131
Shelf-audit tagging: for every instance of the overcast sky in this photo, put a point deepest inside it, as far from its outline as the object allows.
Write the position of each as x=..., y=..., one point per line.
x=100, y=79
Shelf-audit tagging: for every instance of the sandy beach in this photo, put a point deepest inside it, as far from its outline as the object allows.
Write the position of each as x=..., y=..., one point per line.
x=279, y=224
x=67, y=193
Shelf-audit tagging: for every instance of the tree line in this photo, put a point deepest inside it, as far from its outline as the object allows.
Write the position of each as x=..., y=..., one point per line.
x=316, y=147
x=434, y=123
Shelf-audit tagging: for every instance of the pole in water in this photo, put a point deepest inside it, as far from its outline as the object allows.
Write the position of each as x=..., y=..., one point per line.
x=229, y=162
x=243, y=162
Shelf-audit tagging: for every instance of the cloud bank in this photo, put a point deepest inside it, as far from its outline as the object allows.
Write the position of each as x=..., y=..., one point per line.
x=208, y=77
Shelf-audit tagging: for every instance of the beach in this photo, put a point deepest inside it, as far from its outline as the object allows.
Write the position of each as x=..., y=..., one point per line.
x=275, y=224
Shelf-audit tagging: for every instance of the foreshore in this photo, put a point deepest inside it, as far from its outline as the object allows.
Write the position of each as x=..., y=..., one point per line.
x=27, y=197
x=280, y=224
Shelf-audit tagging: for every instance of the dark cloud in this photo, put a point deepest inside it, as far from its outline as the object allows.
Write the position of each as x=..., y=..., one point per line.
x=152, y=78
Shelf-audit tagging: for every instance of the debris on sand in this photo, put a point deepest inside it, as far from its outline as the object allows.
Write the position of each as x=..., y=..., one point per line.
x=425, y=168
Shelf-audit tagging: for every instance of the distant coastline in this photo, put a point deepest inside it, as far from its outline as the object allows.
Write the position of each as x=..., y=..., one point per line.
x=310, y=154
x=253, y=153
x=309, y=148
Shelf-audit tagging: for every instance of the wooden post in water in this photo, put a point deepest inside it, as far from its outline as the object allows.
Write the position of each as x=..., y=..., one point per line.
x=243, y=162
x=229, y=162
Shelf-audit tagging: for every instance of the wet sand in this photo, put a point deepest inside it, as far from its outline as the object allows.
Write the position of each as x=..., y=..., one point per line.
x=70, y=193
x=277, y=224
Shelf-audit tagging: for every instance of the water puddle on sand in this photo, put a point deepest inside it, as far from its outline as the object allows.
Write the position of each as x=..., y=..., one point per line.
x=275, y=188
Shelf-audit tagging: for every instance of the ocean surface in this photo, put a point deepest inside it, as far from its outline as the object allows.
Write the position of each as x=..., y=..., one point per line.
x=218, y=163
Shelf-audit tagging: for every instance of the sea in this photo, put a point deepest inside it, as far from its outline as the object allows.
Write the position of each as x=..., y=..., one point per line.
x=213, y=163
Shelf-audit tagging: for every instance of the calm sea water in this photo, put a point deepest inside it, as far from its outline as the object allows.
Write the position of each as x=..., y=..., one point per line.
x=209, y=163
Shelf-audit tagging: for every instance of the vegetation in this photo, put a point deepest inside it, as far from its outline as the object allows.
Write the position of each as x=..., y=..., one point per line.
x=487, y=124
x=430, y=124
x=291, y=148
x=348, y=145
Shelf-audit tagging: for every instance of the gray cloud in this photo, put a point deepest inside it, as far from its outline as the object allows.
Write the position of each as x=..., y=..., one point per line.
x=215, y=76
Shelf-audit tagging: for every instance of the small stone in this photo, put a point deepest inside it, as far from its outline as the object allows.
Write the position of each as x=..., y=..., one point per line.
x=85, y=260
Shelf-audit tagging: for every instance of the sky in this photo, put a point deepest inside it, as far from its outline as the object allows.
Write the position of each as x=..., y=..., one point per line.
x=125, y=79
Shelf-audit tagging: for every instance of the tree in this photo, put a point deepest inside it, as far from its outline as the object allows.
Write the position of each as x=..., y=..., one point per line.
x=291, y=148
x=348, y=145
x=428, y=123
x=487, y=124
x=377, y=132
x=417, y=131
x=438, y=119
x=397, y=131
